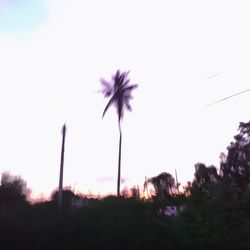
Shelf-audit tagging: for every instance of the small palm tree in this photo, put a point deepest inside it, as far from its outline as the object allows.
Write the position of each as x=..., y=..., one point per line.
x=119, y=91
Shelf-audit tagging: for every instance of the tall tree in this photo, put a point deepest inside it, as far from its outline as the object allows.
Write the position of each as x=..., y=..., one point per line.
x=60, y=196
x=235, y=168
x=119, y=91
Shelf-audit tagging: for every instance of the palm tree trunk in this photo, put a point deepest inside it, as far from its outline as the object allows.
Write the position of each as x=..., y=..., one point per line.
x=60, y=198
x=119, y=162
x=177, y=184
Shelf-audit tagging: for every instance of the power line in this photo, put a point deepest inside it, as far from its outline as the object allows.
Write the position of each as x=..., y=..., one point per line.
x=227, y=97
x=212, y=76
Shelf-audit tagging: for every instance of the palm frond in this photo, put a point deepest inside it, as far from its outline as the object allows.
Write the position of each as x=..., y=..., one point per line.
x=131, y=87
x=128, y=106
x=107, y=88
x=107, y=106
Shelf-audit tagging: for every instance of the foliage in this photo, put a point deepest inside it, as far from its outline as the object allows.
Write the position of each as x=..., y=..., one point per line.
x=235, y=169
x=13, y=192
x=163, y=184
x=205, y=175
x=120, y=92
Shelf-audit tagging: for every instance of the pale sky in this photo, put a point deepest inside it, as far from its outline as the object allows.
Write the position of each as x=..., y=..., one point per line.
x=52, y=55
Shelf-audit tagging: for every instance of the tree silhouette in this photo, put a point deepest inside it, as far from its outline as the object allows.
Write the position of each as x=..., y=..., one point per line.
x=68, y=198
x=119, y=91
x=13, y=192
x=236, y=167
x=205, y=175
x=163, y=183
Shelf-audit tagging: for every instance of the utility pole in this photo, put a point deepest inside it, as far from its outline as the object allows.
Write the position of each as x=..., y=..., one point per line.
x=60, y=197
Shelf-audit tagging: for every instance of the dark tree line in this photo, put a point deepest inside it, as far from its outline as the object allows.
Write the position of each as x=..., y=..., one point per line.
x=213, y=212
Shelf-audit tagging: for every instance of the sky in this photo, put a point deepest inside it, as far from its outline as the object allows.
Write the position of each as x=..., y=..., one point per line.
x=183, y=54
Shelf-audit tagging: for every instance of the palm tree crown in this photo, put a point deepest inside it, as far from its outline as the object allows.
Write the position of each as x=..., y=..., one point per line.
x=120, y=91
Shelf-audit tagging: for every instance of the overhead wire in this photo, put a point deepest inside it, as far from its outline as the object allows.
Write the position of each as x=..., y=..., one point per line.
x=223, y=99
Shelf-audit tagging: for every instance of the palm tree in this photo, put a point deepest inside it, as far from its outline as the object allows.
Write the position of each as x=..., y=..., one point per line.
x=119, y=91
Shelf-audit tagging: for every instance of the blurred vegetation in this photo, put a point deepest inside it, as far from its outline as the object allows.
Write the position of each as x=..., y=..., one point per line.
x=213, y=212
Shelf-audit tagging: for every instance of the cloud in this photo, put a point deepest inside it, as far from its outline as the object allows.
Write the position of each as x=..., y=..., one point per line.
x=18, y=15
x=105, y=179
x=111, y=179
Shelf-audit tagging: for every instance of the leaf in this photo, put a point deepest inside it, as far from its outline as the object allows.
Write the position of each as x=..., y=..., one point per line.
x=107, y=106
